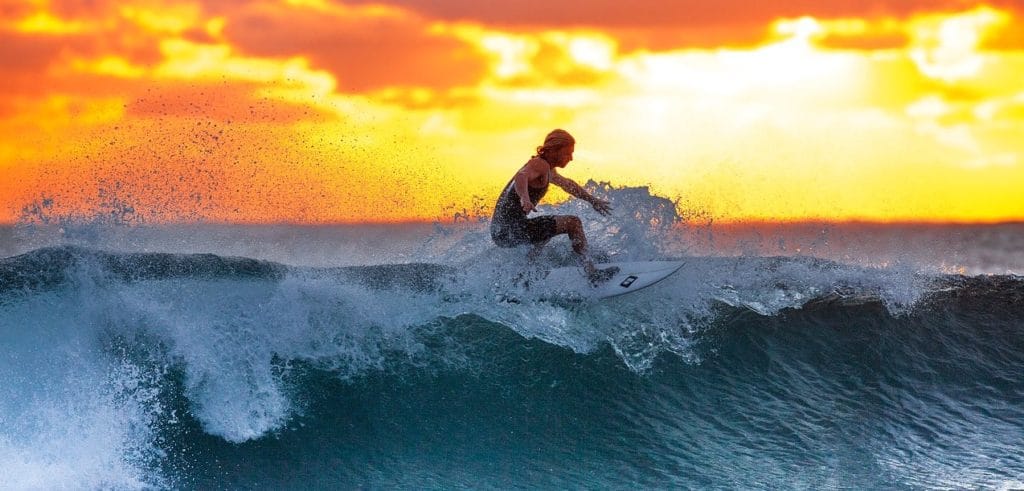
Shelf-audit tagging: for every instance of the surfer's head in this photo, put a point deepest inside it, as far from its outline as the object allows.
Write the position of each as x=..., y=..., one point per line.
x=557, y=148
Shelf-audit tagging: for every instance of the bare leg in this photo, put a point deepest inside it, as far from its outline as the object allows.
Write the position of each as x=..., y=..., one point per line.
x=571, y=224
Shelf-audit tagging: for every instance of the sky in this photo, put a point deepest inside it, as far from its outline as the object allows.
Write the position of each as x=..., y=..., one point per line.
x=325, y=111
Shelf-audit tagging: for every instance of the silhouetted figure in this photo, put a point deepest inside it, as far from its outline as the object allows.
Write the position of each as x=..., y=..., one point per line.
x=510, y=226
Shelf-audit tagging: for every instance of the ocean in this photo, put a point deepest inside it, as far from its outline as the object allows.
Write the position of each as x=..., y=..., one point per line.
x=408, y=356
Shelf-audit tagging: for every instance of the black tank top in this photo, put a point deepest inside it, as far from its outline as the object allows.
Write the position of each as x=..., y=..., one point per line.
x=509, y=210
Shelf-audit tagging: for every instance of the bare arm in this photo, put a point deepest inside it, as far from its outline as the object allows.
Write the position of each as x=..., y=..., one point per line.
x=533, y=169
x=576, y=190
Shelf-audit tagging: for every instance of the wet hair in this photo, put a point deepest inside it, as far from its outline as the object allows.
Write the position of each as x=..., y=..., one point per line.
x=555, y=140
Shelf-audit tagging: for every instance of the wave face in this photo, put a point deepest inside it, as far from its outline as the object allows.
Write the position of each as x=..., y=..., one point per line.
x=145, y=370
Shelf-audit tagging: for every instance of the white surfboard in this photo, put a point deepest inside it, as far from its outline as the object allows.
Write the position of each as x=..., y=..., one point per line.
x=631, y=277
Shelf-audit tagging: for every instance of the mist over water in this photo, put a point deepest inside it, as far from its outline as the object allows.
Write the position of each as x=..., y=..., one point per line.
x=409, y=356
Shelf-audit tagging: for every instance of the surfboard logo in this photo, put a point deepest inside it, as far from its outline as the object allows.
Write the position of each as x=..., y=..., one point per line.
x=628, y=281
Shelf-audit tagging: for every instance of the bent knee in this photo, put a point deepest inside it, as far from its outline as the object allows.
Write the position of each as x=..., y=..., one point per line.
x=569, y=223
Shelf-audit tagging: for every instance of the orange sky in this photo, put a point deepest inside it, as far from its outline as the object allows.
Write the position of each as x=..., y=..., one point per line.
x=325, y=111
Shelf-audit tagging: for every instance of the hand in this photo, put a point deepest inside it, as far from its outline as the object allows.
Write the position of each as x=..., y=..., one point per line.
x=528, y=206
x=601, y=206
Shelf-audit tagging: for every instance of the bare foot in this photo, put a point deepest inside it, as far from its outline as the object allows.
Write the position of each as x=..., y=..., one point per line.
x=598, y=276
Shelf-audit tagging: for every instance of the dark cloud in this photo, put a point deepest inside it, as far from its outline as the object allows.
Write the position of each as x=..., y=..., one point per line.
x=80, y=8
x=30, y=59
x=25, y=58
x=27, y=52
x=363, y=52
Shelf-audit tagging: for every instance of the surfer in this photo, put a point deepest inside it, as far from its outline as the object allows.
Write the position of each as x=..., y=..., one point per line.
x=510, y=226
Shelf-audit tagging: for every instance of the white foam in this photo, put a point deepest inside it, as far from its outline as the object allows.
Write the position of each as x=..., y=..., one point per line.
x=71, y=417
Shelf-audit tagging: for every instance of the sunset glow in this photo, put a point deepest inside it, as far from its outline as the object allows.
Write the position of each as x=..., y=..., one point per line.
x=320, y=111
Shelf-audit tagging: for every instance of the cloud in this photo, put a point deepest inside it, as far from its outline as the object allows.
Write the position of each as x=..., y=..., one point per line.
x=83, y=50
x=863, y=35
x=545, y=59
x=702, y=36
x=365, y=49
x=25, y=58
x=43, y=52
x=658, y=13
x=660, y=25
x=374, y=110
x=1006, y=35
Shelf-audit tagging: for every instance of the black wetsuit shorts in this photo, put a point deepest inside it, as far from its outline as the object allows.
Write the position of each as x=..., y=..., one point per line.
x=535, y=230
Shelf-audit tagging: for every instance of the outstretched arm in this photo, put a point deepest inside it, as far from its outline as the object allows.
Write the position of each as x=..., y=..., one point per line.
x=576, y=190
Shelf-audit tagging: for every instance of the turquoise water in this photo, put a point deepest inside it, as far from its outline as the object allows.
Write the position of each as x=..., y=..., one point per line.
x=202, y=371
x=284, y=357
